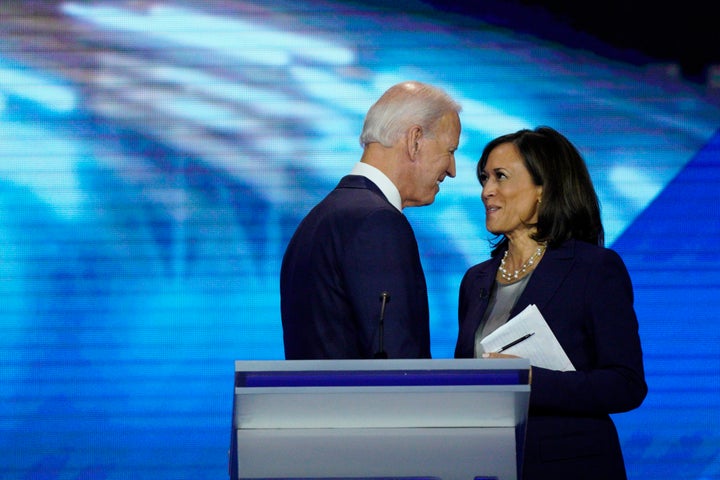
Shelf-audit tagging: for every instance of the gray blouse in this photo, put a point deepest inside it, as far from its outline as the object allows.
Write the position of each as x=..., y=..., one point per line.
x=502, y=300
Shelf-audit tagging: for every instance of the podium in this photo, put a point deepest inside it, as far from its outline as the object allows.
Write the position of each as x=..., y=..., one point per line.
x=450, y=419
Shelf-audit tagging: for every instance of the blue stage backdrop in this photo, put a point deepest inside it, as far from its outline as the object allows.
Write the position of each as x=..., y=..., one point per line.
x=155, y=158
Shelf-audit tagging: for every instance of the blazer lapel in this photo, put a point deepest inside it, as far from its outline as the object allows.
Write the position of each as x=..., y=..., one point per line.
x=484, y=281
x=547, y=277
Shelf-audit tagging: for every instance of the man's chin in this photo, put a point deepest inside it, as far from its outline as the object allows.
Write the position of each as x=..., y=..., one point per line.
x=421, y=203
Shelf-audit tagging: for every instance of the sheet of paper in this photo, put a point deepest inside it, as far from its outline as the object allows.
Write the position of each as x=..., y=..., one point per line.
x=542, y=348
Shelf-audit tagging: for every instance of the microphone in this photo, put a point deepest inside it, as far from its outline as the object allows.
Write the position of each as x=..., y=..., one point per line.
x=384, y=299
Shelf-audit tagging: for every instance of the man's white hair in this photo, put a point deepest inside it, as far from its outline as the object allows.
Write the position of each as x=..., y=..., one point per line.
x=402, y=106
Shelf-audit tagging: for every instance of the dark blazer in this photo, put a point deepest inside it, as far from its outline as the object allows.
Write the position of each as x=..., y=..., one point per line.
x=350, y=248
x=585, y=294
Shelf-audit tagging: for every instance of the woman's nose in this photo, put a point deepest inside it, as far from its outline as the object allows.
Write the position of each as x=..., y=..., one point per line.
x=487, y=190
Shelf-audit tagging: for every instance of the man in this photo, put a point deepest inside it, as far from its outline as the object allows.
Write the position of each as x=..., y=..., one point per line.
x=351, y=283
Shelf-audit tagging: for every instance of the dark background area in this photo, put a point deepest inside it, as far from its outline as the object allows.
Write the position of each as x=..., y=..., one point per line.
x=637, y=32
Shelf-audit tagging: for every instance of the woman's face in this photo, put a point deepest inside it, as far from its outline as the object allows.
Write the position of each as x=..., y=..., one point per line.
x=510, y=196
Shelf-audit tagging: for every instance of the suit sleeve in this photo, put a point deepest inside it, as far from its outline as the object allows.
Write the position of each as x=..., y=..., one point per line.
x=384, y=256
x=465, y=345
x=608, y=358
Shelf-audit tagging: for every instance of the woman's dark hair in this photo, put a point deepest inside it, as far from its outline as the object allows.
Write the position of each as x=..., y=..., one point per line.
x=570, y=206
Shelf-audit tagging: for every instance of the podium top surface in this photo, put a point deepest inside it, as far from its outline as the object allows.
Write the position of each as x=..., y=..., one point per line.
x=385, y=364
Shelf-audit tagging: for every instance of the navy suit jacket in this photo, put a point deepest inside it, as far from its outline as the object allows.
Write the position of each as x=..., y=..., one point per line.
x=585, y=294
x=350, y=248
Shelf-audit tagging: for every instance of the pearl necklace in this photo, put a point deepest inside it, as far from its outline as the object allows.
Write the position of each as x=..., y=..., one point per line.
x=511, y=277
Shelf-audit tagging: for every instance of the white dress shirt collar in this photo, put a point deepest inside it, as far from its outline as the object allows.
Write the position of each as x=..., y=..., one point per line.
x=386, y=186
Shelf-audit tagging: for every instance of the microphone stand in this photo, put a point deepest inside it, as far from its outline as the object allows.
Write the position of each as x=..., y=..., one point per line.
x=381, y=353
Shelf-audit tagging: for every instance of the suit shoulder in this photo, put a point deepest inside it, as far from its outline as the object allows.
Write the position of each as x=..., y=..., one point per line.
x=597, y=258
x=595, y=252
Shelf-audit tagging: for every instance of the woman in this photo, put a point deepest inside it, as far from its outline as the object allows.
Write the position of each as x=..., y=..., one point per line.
x=540, y=202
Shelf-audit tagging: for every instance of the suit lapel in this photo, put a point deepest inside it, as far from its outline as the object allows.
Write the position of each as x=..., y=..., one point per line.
x=547, y=277
x=484, y=281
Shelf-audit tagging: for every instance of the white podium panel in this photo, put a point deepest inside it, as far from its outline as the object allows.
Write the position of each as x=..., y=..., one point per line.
x=362, y=419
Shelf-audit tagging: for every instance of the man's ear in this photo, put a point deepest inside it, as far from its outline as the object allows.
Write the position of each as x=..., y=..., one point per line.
x=414, y=137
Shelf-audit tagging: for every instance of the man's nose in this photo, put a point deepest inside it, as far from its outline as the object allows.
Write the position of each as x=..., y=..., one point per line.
x=451, y=169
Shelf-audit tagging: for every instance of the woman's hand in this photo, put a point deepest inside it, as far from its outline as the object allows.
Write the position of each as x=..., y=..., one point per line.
x=505, y=355
x=498, y=355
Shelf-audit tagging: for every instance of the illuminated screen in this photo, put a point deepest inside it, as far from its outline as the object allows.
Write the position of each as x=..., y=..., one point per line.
x=156, y=157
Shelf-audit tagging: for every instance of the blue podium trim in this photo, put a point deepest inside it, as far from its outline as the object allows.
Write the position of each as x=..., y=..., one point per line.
x=379, y=378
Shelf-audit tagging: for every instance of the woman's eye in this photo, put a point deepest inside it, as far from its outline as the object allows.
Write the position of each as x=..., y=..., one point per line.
x=483, y=178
